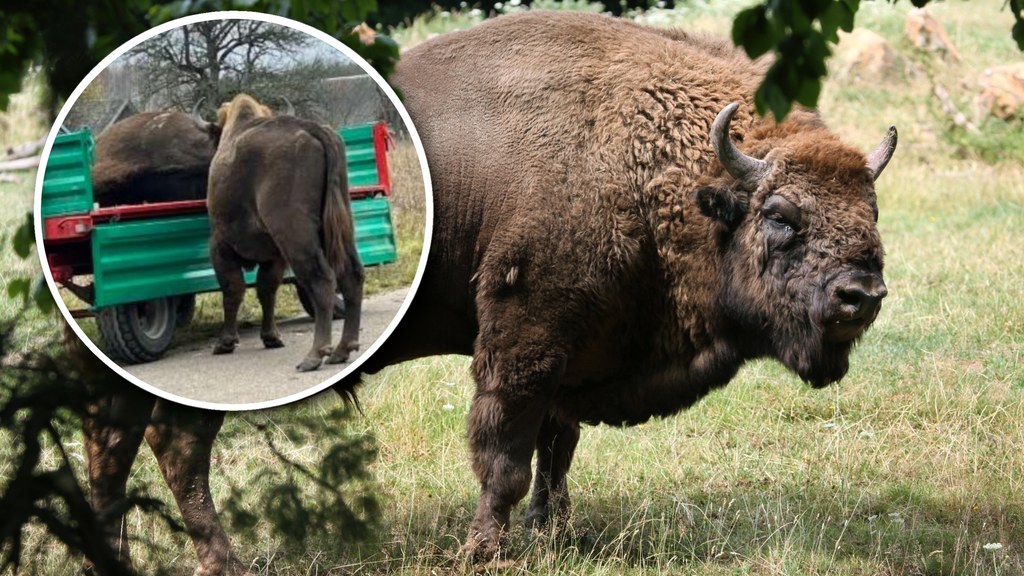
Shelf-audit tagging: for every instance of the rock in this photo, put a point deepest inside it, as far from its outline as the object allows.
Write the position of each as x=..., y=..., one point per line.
x=865, y=55
x=1002, y=92
x=926, y=33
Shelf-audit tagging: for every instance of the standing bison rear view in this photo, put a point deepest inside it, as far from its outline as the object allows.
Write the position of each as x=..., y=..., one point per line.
x=617, y=233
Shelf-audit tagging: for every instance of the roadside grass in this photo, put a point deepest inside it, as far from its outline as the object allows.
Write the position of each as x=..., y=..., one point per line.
x=910, y=466
x=34, y=327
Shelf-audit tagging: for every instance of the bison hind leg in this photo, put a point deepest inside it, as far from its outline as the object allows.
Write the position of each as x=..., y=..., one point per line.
x=268, y=279
x=556, y=445
x=350, y=283
x=228, y=268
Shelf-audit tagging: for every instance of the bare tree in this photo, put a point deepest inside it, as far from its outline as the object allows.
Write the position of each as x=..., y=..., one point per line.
x=215, y=60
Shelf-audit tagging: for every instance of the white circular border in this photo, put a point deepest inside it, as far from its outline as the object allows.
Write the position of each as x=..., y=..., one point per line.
x=234, y=15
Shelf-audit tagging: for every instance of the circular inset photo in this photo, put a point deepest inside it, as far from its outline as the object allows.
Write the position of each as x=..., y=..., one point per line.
x=233, y=210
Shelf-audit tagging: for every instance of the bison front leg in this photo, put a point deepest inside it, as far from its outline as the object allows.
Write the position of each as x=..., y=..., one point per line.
x=268, y=280
x=112, y=432
x=556, y=445
x=232, y=286
x=182, y=440
x=350, y=282
x=513, y=396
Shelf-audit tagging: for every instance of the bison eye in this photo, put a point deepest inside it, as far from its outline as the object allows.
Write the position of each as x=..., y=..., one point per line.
x=781, y=221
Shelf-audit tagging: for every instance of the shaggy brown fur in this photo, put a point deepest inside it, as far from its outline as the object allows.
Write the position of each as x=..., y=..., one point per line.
x=278, y=197
x=596, y=257
x=153, y=157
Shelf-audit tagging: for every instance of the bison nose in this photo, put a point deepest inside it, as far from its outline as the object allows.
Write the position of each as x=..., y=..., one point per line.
x=861, y=298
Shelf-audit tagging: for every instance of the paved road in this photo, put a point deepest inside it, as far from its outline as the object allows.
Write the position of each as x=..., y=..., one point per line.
x=253, y=373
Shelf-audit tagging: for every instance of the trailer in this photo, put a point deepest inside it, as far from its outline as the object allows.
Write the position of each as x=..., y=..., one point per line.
x=139, y=267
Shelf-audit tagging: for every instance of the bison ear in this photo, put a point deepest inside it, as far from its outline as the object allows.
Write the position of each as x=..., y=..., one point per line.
x=722, y=204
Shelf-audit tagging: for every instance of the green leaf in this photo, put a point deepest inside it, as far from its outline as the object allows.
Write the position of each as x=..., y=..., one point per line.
x=770, y=96
x=808, y=92
x=1018, y=33
x=799, y=22
x=752, y=31
x=19, y=288
x=42, y=296
x=23, y=238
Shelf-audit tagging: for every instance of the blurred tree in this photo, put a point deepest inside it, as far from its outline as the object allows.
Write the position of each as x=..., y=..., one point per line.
x=799, y=34
x=214, y=60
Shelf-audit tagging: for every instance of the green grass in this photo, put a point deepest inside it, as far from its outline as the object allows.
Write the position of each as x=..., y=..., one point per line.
x=35, y=327
x=910, y=466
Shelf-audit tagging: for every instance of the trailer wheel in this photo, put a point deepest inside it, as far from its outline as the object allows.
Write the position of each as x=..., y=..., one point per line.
x=307, y=303
x=140, y=331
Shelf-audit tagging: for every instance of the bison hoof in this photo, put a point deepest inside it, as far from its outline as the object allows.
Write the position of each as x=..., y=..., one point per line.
x=273, y=341
x=308, y=365
x=338, y=357
x=536, y=519
x=225, y=346
x=480, y=548
x=342, y=353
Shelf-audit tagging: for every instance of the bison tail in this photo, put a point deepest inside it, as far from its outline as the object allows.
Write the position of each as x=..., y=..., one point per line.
x=338, y=234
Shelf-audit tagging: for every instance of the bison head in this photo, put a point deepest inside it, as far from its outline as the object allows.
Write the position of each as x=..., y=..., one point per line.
x=802, y=258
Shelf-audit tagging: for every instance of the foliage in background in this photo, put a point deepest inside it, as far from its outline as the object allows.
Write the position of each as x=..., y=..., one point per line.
x=799, y=34
x=44, y=394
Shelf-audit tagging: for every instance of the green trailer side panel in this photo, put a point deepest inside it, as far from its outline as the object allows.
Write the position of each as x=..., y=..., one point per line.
x=146, y=259
x=375, y=235
x=360, y=154
x=67, y=185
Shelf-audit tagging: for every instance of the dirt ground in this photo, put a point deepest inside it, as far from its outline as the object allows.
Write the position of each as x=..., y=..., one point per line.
x=254, y=374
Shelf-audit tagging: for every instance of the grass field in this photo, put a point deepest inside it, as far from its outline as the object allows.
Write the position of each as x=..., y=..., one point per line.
x=912, y=465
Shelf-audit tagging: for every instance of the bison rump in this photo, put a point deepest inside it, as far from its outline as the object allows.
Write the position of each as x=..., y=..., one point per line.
x=152, y=157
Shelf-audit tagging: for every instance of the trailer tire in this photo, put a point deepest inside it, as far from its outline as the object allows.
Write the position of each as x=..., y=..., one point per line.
x=138, y=332
x=307, y=303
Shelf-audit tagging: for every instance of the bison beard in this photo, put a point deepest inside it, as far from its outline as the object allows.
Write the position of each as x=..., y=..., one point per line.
x=604, y=249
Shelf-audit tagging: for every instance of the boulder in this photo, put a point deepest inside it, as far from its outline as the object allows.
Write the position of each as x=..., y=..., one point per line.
x=1002, y=92
x=867, y=56
x=925, y=32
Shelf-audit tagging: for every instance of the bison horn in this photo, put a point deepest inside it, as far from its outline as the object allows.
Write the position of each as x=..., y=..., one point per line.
x=202, y=124
x=736, y=163
x=290, y=110
x=880, y=156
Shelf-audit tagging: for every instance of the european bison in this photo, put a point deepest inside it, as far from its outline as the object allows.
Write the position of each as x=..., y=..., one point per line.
x=153, y=157
x=278, y=197
x=616, y=234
